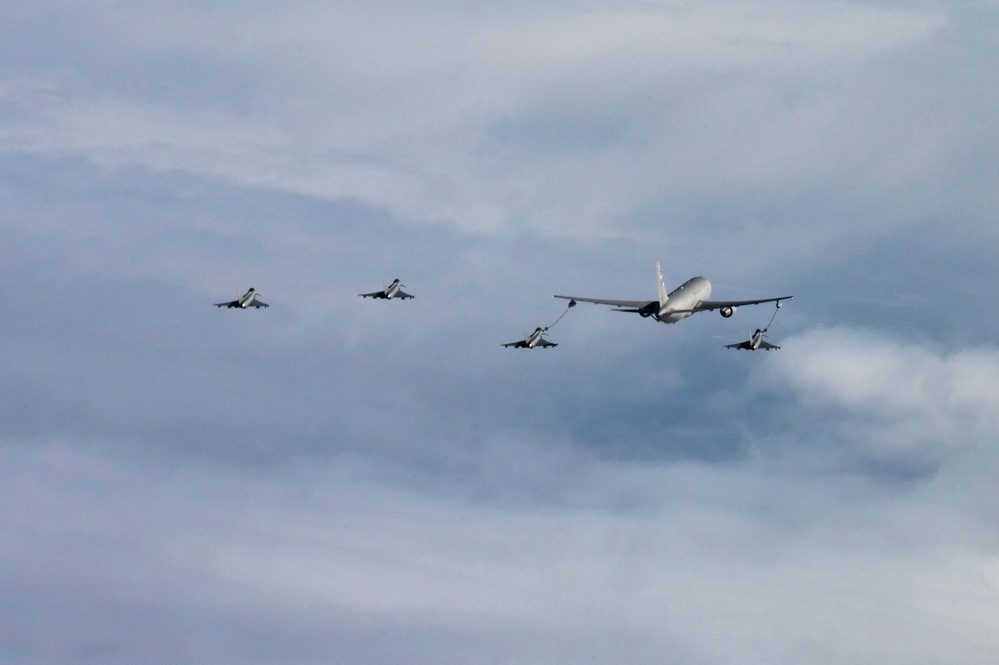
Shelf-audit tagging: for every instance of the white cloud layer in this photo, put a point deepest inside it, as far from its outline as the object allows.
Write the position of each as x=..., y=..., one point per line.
x=755, y=561
x=439, y=113
x=892, y=399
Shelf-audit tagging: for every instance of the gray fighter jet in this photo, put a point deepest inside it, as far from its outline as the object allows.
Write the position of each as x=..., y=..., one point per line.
x=248, y=299
x=689, y=298
x=754, y=342
x=393, y=290
x=531, y=340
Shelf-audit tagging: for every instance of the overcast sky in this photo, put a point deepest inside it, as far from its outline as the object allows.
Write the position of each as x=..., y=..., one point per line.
x=340, y=480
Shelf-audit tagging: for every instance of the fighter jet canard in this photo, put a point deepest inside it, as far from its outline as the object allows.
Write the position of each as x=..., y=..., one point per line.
x=531, y=340
x=393, y=290
x=754, y=342
x=689, y=298
x=248, y=299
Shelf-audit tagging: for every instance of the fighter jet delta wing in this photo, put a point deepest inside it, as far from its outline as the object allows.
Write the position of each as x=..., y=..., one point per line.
x=747, y=345
x=522, y=344
x=248, y=299
x=393, y=290
x=754, y=342
x=531, y=340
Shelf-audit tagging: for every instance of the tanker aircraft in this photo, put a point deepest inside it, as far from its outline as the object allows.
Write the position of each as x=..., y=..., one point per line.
x=531, y=340
x=689, y=298
x=393, y=290
x=754, y=342
x=248, y=299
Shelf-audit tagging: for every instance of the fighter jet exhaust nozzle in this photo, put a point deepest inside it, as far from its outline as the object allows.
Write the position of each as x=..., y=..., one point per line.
x=727, y=311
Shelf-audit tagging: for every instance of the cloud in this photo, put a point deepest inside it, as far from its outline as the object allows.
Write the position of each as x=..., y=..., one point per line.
x=480, y=119
x=336, y=479
x=521, y=544
x=888, y=402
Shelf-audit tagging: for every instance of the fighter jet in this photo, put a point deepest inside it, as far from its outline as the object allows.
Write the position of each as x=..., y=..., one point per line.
x=393, y=290
x=531, y=340
x=689, y=298
x=754, y=342
x=248, y=299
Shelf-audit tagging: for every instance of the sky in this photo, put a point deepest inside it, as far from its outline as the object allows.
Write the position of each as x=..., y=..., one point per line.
x=341, y=480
